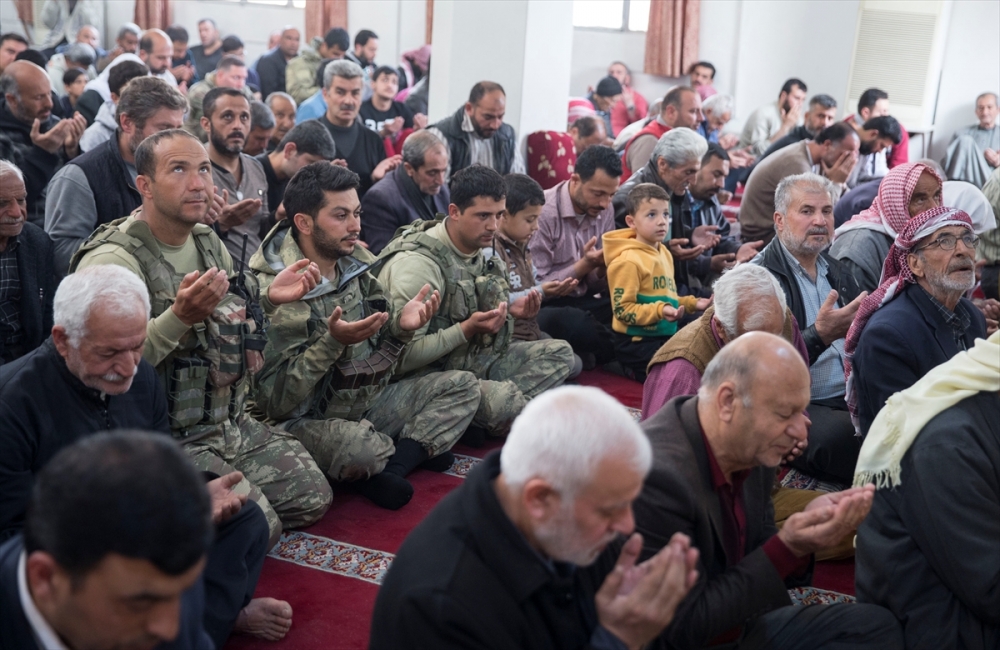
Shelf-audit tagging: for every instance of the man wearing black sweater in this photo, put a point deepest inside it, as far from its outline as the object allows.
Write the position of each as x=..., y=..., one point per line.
x=90, y=377
x=361, y=147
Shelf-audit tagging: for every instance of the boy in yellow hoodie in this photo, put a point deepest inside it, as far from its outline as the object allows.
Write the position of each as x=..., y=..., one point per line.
x=641, y=278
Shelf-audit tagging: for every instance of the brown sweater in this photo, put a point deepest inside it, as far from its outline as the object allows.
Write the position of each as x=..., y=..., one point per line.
x=696, y=343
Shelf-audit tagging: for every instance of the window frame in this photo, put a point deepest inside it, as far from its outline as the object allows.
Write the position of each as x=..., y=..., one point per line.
x=626, y=9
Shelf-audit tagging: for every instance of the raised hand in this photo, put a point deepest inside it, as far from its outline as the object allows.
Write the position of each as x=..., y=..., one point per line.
x=419, y=121
x=723, y=262
x=225, y=503
x=75, y=127
x=215, y=208
x=53, y=139
x=635, y=602
x=526, y=306
x=748, y=251
x=386, y=166
x=593, y=255
x=728, y=140
x=682, y=254
x=556, y=288
x=294, y=282
x=238, y=213
x=392, y=127
x=703, y=303
x=840, y=170
x=832, y=323
x=485, y=322
x=350, y=333
x=199, y=294
x=707, y=236
x=418, y=312
x=826, y=520
x=673, y=314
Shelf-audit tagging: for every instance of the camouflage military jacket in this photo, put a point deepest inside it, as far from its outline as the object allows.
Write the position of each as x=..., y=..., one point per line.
x=207, y=372
x=300, y=73
x=307, y=372
x=469, y=285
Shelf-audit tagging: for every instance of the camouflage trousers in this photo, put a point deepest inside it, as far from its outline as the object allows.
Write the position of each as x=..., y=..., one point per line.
x=525, y=370
x=279, y=475
x=434, y=410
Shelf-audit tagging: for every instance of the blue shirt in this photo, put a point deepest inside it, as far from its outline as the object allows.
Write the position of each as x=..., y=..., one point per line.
x=311, y=109
x=828, y=370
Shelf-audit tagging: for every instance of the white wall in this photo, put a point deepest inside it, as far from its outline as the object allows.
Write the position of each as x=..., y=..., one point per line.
x=971, y=67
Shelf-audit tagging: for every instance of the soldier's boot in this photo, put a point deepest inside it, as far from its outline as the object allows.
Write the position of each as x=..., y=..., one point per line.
x=390, y=489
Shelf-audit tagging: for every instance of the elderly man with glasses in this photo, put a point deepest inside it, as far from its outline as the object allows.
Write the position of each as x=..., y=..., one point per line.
x=918, y=318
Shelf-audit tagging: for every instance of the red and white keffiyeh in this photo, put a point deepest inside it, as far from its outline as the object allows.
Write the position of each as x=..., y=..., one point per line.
x=889, y=212
x=896, y=275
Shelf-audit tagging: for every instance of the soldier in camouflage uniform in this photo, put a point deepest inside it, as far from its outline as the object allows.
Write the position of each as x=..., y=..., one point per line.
x=203, y=339
x=301, y=72
x=472, y=329
x=330, y=356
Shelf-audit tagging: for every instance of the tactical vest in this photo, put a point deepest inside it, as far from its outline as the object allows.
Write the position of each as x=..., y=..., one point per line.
x=464, y=292
x=207, y=376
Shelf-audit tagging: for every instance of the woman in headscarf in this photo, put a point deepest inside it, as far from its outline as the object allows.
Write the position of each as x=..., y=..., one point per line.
x=862, y=244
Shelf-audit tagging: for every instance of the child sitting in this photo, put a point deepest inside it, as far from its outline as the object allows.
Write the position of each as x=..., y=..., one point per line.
x=641, y=279
x=525, y=199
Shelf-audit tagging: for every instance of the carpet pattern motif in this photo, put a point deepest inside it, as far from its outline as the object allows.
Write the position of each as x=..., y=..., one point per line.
x=802, y=596
x=332, y=556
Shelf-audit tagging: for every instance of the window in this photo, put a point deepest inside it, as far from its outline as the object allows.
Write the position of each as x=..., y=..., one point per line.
x=620, y=15
x=298, y=4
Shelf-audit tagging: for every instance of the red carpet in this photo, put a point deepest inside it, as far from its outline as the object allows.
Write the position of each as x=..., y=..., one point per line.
x=329, y=569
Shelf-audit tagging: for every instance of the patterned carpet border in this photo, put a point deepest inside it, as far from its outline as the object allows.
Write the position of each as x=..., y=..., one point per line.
x=332, y=556
x=802, y=596
x=798, y=481
x=463, y=465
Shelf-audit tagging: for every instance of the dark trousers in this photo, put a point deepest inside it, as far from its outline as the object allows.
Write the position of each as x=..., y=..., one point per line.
x=831, y=627
x=833, y=448
x=233, y=568
x=580, y=329
x=586, y=335
x=636, y=355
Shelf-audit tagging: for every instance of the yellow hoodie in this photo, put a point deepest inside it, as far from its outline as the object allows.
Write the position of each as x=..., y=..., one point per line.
x=641, y=279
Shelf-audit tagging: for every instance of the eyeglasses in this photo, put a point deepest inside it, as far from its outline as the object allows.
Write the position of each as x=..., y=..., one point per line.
x=948, y=242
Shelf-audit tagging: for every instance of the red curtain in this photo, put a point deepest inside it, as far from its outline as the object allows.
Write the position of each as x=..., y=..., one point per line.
x=152, y=14
x=429, y=31
x=672, y=37
x=324, y=15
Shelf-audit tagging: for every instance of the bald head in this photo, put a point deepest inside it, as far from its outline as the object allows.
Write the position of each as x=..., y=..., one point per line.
x=752, y=401
x=89, y=35
x=27, y=90
x=156, y=50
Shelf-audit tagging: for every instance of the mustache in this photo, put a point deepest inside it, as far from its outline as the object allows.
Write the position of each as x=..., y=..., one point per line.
x=236, y=134
x=817, y=231
x=961, y=265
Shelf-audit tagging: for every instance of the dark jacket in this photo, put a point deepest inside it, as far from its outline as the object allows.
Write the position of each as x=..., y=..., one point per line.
x=902, y=342
x=271, y=68
x=37, y=165
x=390, y=204
x=504, y=144
x=15, y=631
x=678, y=497
x=114, y=194
x=773, y=259
x=89, y=105
x=928, y=550
x=37, y=273
x=44, y=407
x=466, y=578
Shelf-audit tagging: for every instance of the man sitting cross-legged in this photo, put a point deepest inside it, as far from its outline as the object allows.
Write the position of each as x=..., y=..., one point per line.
x=204, y=336
x=331, y=354
x=713, y=469
x=91, y=377
x=472, y=330
x=824, y=297
x=518, y=557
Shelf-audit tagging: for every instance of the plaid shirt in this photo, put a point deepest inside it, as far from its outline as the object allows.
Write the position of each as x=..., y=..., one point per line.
x=11, y=334
x=958, y=321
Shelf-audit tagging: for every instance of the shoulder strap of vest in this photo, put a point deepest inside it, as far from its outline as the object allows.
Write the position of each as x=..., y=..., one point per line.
x=414, y=237
x=204, y=241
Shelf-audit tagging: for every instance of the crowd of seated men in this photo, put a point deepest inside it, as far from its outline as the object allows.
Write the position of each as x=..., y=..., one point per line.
x=280, y=275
